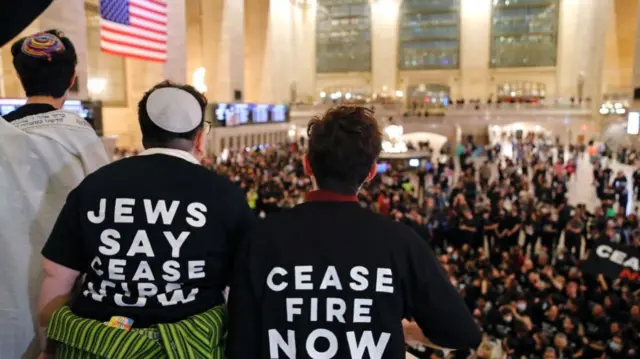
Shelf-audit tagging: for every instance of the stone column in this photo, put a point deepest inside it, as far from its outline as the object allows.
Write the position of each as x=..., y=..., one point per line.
x=475, y=49
x=269, y=51
x=580, y=63
x=220, y=46
x=384, y=46
x=304, y=55
x=256, y=75
x=636, y=57
x=175, y=69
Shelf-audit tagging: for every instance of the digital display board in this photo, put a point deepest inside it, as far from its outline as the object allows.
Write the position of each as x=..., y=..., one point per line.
x=230, y=115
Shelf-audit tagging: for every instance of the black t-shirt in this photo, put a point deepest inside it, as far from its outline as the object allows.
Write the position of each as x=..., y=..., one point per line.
x=28, y=110
x=531, y=227
x=471, y=223
x=331, y=277
x=523, y=345
x=549, y=327
x=636, y=177
x=595, y=329
x=155, y=235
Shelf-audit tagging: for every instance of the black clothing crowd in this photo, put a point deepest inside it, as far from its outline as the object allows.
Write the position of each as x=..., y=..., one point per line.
x=497, y=228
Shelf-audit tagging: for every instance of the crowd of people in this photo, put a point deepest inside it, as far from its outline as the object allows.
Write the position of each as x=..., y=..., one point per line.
x=497, y=225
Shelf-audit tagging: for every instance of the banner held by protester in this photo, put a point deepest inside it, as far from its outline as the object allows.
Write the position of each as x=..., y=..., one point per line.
x=614, y=261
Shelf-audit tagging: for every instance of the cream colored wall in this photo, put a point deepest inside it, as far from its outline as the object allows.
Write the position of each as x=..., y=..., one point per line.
x=304, y=53
x=123, y=121
x=384, y=46
x=354, y=80
x=581, y=47
x=215, y=34
x=270, y=69
x=475, y=33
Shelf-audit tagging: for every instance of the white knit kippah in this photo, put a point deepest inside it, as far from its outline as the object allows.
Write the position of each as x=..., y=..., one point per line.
x=174, y=110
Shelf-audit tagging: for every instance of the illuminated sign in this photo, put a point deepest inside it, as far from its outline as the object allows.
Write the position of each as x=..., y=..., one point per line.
x=229, y=115
x=259, y=113
x=279, y=113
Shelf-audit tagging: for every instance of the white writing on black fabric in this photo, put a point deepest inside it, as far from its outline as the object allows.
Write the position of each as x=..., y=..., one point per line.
x=282, y=344
x=133, y=254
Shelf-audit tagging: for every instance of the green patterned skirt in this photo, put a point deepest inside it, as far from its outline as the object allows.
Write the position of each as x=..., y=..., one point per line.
x=197, y=337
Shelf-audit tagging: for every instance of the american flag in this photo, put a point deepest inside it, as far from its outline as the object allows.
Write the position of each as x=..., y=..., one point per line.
x=134, y=28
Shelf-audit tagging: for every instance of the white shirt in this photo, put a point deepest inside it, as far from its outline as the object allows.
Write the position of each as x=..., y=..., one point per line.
x=42, y=158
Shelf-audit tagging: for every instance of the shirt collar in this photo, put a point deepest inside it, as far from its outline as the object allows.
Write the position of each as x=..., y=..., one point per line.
x=171, y=152
x=327, y=196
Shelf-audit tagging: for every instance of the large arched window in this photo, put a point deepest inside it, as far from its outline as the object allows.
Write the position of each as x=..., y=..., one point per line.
x=343, y=36
x=524, y=33
x=429, y=36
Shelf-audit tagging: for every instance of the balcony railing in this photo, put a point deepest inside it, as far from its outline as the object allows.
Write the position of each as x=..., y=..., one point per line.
x=563, y=105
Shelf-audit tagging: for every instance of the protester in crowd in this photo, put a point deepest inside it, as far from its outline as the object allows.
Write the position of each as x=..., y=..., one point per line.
x=305, y=271
x=44, y=153
x=154, y=235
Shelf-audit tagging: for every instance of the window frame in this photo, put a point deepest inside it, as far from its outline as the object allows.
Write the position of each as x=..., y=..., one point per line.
x=362, y=61
x=401, y=16
x=554, y=35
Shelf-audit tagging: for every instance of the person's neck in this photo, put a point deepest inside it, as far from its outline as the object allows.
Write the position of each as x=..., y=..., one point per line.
x=46, y=100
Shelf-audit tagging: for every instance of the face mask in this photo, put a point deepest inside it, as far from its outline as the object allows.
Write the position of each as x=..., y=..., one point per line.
x=614, y=346
x=508, y=319
x=521, y=307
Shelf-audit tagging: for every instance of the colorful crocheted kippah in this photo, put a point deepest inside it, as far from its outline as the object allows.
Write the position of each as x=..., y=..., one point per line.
x=42, y=45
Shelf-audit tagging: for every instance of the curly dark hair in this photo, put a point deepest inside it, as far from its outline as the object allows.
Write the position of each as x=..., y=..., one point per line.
x=344, y=144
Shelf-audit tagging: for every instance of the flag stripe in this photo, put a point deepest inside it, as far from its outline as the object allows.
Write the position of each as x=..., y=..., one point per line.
x=148, y=9
x=148, y=15
x=158, y=2
x=132, y=56
x=134, y=28
x=149, y=26
x=126, y=30
x=129, y=50
x=128, y=40
x=149, y=5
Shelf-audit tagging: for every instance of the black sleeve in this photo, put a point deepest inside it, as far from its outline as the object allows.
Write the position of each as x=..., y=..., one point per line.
x=17, y=15
x=243, y=336
x=243, y=221
x=436, y=305
x=65, y=245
